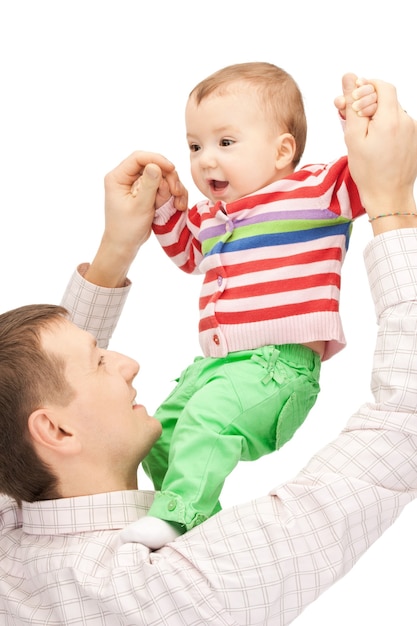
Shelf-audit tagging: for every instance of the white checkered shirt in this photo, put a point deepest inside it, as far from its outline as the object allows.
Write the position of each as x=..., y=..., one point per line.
x=258, y=563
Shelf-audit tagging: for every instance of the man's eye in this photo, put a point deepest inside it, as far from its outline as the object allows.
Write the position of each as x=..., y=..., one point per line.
x=194, y=147
x=226, y=142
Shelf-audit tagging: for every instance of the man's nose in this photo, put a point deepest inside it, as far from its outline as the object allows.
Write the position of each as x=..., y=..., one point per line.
x=127, y=367
x=131, y=368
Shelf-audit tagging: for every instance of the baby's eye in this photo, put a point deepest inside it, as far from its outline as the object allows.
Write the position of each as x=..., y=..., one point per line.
x=101, y=361
x=194, y=147
x=226, y=142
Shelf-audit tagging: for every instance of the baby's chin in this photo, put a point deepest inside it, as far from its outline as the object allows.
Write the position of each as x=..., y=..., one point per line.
x=223, y=194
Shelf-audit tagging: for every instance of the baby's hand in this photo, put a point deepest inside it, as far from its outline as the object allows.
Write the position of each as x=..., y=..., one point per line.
x=163, y=194
x=172, y=186
x=365, y=100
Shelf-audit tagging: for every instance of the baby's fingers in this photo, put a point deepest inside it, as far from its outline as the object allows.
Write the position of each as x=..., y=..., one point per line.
x=365, y=99
x=177, y=190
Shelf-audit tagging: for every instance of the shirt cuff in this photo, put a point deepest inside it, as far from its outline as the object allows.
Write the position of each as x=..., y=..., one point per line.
x=93, y=308
x=165, y=212
x=391, y=263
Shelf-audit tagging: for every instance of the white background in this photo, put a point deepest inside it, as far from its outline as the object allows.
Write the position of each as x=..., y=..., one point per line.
x=84, y=83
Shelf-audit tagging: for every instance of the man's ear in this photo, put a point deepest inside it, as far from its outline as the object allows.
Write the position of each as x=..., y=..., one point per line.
x=47, y=433
x=286, y=148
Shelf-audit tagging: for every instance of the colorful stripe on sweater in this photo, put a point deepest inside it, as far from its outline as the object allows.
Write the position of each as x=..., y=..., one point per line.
x=271, y=261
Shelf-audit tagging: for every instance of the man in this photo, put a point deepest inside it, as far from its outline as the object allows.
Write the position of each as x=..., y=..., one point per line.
x=260, y=563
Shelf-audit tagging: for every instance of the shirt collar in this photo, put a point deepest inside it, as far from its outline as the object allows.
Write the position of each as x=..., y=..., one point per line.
x=103, y=511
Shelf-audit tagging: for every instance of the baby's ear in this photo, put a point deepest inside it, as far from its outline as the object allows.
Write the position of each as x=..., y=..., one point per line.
x=286, y=148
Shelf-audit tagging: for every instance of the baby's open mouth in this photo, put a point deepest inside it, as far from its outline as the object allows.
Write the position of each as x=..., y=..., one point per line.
x=218, y=185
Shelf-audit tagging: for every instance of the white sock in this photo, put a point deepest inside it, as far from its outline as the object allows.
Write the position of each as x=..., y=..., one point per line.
x=151, y=531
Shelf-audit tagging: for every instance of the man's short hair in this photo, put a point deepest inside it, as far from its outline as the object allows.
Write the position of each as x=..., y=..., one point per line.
x=28, y=378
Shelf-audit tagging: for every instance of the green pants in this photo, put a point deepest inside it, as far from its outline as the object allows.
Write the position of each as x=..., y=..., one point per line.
x=221, y=411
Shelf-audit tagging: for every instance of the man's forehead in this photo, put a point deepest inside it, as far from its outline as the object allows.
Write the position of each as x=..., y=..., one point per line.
x=64, y=337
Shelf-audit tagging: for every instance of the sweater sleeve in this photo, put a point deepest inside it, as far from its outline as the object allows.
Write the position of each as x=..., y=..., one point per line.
x=177, y=233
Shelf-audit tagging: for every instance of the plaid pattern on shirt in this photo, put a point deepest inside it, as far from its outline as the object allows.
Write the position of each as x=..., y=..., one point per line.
x=258, y=563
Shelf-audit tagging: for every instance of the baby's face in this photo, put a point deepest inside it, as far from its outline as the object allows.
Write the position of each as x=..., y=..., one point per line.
x=233, y=148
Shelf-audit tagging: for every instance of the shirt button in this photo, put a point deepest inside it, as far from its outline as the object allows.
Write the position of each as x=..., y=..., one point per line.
x=171, y=505
x=216, y=339
x=219, y=280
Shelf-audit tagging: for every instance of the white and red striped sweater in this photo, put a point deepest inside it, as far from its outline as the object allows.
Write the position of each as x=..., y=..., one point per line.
x=272, y=260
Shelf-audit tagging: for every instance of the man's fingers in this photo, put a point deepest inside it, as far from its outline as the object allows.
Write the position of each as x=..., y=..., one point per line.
x=152, y=175
x=348, y=86
x=148, y=182
x=388, y=105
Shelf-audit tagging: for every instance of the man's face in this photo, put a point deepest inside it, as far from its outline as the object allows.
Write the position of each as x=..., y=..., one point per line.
x=114, y=431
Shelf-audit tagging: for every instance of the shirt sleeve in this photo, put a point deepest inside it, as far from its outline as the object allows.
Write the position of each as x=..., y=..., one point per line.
x=93, y=308
x=265, y=561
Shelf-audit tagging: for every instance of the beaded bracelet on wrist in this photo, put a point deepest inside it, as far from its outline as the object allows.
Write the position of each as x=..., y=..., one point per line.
x=377, y=217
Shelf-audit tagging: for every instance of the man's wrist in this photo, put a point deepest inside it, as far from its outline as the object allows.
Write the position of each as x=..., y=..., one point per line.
x=392, y=213
x=110, y=266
